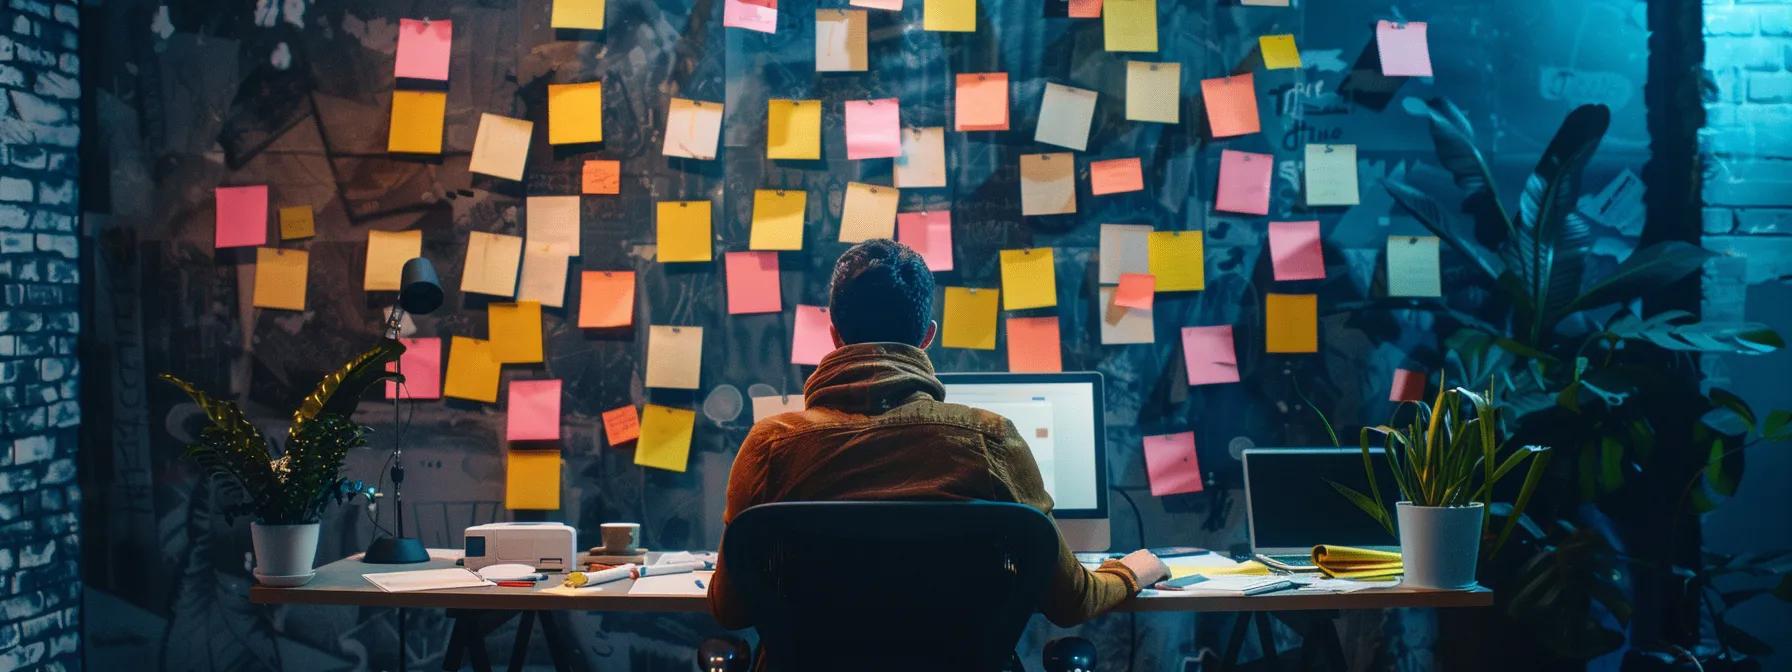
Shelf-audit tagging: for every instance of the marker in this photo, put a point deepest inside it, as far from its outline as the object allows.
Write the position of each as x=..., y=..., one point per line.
x=517, y=584
x=668, y=568
x=699, y=584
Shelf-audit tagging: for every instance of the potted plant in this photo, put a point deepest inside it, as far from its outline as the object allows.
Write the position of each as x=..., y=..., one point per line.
x=1446, y=462
x=287, y=492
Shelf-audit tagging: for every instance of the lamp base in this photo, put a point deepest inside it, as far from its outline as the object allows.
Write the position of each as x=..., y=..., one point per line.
x=395, y=551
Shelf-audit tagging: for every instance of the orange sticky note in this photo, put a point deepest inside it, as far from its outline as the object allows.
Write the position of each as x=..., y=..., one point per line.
x=602, y=177
x=1244, y=182
x=622, y=425
x=981, y=102
x=1028, y=280
x=1136, y=290
x=814, y=337
x=606, y=299
x=1409, y=385
x=423, y=48
x=929, y=233
x=386, y=253
x=297, y=222
x=684, y=232
x=1210, y=355
x=752, y=282
x=515, y=332
x=1085, y=9
x=1231, y=105
x=665, y=441
x=532, y=480
x=575, y=113
x=1291, y=322
x=1115, y=176
x=280, y=278
x=969, y=319
x=1172, y=465
x=421, y=366
x=1034, y=345
x=242, y=216
x=472, y=371
x=1177, y=259
x=532, y=411
x=416, y=125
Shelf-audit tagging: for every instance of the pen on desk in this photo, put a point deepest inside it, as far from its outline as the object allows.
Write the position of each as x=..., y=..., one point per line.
x=700, y=585
x=668, y=568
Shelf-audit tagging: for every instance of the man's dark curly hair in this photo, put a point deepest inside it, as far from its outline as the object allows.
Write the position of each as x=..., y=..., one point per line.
x=881, y=292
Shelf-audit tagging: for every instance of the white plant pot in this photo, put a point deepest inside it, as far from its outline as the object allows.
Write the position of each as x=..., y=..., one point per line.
x=1439, y=545
x=284, y=553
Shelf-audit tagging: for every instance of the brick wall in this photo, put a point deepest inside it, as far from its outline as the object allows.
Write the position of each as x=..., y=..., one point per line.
x=1748, y=147
x=40, y=96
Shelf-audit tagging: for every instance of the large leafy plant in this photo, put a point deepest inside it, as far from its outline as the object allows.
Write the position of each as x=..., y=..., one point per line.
x=294, y=486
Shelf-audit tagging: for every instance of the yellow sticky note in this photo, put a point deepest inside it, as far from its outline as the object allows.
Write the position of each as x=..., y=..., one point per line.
x=1177, y=259
x=684, y=232
x=501, y=146
x=416, y=122
x=959, y=16
x=1291, y=322
x=777, y=219
x=1279, y=52
x=578, y=14
x=472, y=371
x=869, y=212
x=1129, y=25
x=793, y=129
x=1028, y=280
x=386, y=253
x=665, y=441
x=532, y=480
x=280, y=278
x=297, y=222
x=575, y=113
x=674, y=357
x=491, y=264
x=1154, y=92
x=515, y=332
x=970, y=318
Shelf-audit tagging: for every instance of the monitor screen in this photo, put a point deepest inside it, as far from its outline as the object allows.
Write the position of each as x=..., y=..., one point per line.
x=1293, y=504
x=1059, y=415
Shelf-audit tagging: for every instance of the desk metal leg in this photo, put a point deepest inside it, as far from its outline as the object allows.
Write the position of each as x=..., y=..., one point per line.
x=1240, y=623
x=558, y=641
x=457, y=641
x=1266, y=640
x=519, y=649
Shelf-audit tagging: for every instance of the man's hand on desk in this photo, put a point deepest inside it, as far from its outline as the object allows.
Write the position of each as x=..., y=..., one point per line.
x=1145, y=567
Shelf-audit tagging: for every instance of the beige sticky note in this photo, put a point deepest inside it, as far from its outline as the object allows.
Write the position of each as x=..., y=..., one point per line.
x=778, y=219
x=684, y=232
x=1125, y=248
x=674, y=356
x=1291, y=322
x=1065, y=114
x=959, y=16
x=501, y=147
x=553, y=220
x=578, y=14
x=386, y=253
x=793, y=129
x=1413, y=268
x=869, y=212
x=840, y=40
x=1047, y=184
x=1129, y=25
x=491, y=264
x=665, y=441
x=416, y=122
x=472, y=371
x=969, y=318
x=532, y=479
x=1178, y=261
x=692, y=128
x=544, y=275
x=575, y=113
x=514, y=330
x=1331, y=175
x=297, y=222
x=1121, y=325
x=1278, y=52
x=280, y=277
x=1028, y=279
x=1154, y=92
x=923, y=160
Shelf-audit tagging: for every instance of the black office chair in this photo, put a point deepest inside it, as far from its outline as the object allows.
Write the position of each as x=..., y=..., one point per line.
x=890, y=585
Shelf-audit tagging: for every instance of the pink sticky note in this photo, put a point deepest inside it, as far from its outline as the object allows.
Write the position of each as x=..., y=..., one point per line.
x=1172, y=465
x=1136, y=290
x=760, y=15
x=1295, y=252
x=1244, y=182
x=423, y=47
x=873, y=129
x=753, y=282
x=1210, y=355
x=814, y=337
x=242, y=218
x=1114, y=176
x=533, y=411
x=1085, y=9
x=1403, y=49
x=930, y=234
x=1409, y=385
x=421, y=365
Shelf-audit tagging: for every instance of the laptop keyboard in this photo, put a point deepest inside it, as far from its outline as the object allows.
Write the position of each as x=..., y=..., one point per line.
x=1293, y=560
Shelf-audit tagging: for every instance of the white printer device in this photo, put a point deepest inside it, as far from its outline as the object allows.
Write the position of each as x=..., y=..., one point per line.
x=551, y=547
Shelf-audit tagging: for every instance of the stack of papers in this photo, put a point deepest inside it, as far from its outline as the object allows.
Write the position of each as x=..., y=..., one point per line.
x=426, y=579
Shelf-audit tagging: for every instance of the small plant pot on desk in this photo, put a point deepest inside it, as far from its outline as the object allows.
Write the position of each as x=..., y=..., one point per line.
x=1439, y=545
x=284, y=553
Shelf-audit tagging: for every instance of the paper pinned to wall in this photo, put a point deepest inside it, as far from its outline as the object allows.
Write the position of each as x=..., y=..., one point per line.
x=601, y=177
x=1244, y=182
x=958, y=16
x=297, y=222
x=1403, y=48
x=674, y=356
x=472, y=371
x=1028, y=279
x=544, y=275
x=1295, y=251
x=923, y=160
x=891, y=5
x=777, y=219
x=515, y=332
x=575, y=113
x=969, y=318
x=980, y=102
x=416, y=123
x=501, y=146
x=242, y=216
x=1136, y=290
x=606, y=299
x=1047, y=184
x=491, y=264
x=1409, y=385
x=577, y=14
x=840, y=40
x=1129, y=25
x=684, y=232
x=1264, y=3
x=1210, y=355
x=1178, y=260
x=1084, y=9
x=1331, y=175
x=1172, y=465
x=793, y=129
x=421, y=366
x=1291, y=323
x=1154, y=92
x=532, y=410
x=1123, y=326
x=423, y=48
x=692, y=128
x=1065, y=114
x=929, y=233
x=1115, y=176
x=873, y=129
x=1278, y=52
x=1125, y=248
x=1231, y=105
x=280, y=278
x=812, y=338
x=532, y=480
x=665, y=441
x=755, y=15
x=621, y=425
x=1034, y=345
x=752, y=282
x=1413, y=268
x=765, y=407
x=554, y=221
x=869, y=212
x=386, y=253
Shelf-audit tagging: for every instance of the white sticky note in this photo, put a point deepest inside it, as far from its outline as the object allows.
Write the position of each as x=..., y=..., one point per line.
x=674, y=357
x=544, y=275
x=840, y=40
x=1065, y=115
x=554, y=221
x=923, y=160
x=1125, y=248
x=491, y=264
x=1331, y=175
x=1047, y=184
x=765, y=407
x=1154, y=92
x=692, y=128
x=1413, y=266
x=1121, y=325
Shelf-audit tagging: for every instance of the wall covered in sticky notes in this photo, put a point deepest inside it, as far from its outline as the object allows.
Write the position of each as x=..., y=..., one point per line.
x=306, y=108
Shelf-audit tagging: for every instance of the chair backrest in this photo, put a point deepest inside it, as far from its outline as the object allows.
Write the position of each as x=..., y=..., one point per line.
x=890, y=585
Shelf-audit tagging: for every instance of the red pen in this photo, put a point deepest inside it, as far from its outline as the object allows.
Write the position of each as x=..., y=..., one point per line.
x=517, y=584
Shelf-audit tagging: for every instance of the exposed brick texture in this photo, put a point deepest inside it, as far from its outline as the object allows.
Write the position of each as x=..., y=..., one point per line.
x=1747, y=144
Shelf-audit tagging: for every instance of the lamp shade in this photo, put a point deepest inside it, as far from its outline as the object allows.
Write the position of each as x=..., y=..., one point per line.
x=420, y=291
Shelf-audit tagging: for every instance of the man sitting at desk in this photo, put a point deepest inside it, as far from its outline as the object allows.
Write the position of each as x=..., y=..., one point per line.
x=877, y=428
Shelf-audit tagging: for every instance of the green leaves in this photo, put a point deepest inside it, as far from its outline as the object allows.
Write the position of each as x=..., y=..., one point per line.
x=1677, y=330
x=1369, y=505
x=1549, y=247
x=1646, y=270
x=1426, y=210
x=340, y=390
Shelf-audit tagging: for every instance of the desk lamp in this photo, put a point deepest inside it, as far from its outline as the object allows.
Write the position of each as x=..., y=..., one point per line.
x=420, y=293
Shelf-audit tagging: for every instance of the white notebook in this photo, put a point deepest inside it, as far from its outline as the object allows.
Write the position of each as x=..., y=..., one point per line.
x=425, y=579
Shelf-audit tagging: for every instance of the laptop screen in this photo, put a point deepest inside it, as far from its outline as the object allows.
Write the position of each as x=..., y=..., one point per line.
x=1292, y=505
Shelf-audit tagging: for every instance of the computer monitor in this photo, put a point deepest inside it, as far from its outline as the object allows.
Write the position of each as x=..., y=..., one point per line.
x=1060, y=416
x=1291, y=505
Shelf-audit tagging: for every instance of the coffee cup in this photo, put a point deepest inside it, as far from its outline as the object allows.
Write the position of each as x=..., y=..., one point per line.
x=621, y=538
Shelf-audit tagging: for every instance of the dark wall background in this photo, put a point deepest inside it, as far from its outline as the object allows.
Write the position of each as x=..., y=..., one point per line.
x=189, y=95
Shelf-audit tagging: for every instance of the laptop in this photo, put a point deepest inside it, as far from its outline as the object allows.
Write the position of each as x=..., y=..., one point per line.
x=1291, y=506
